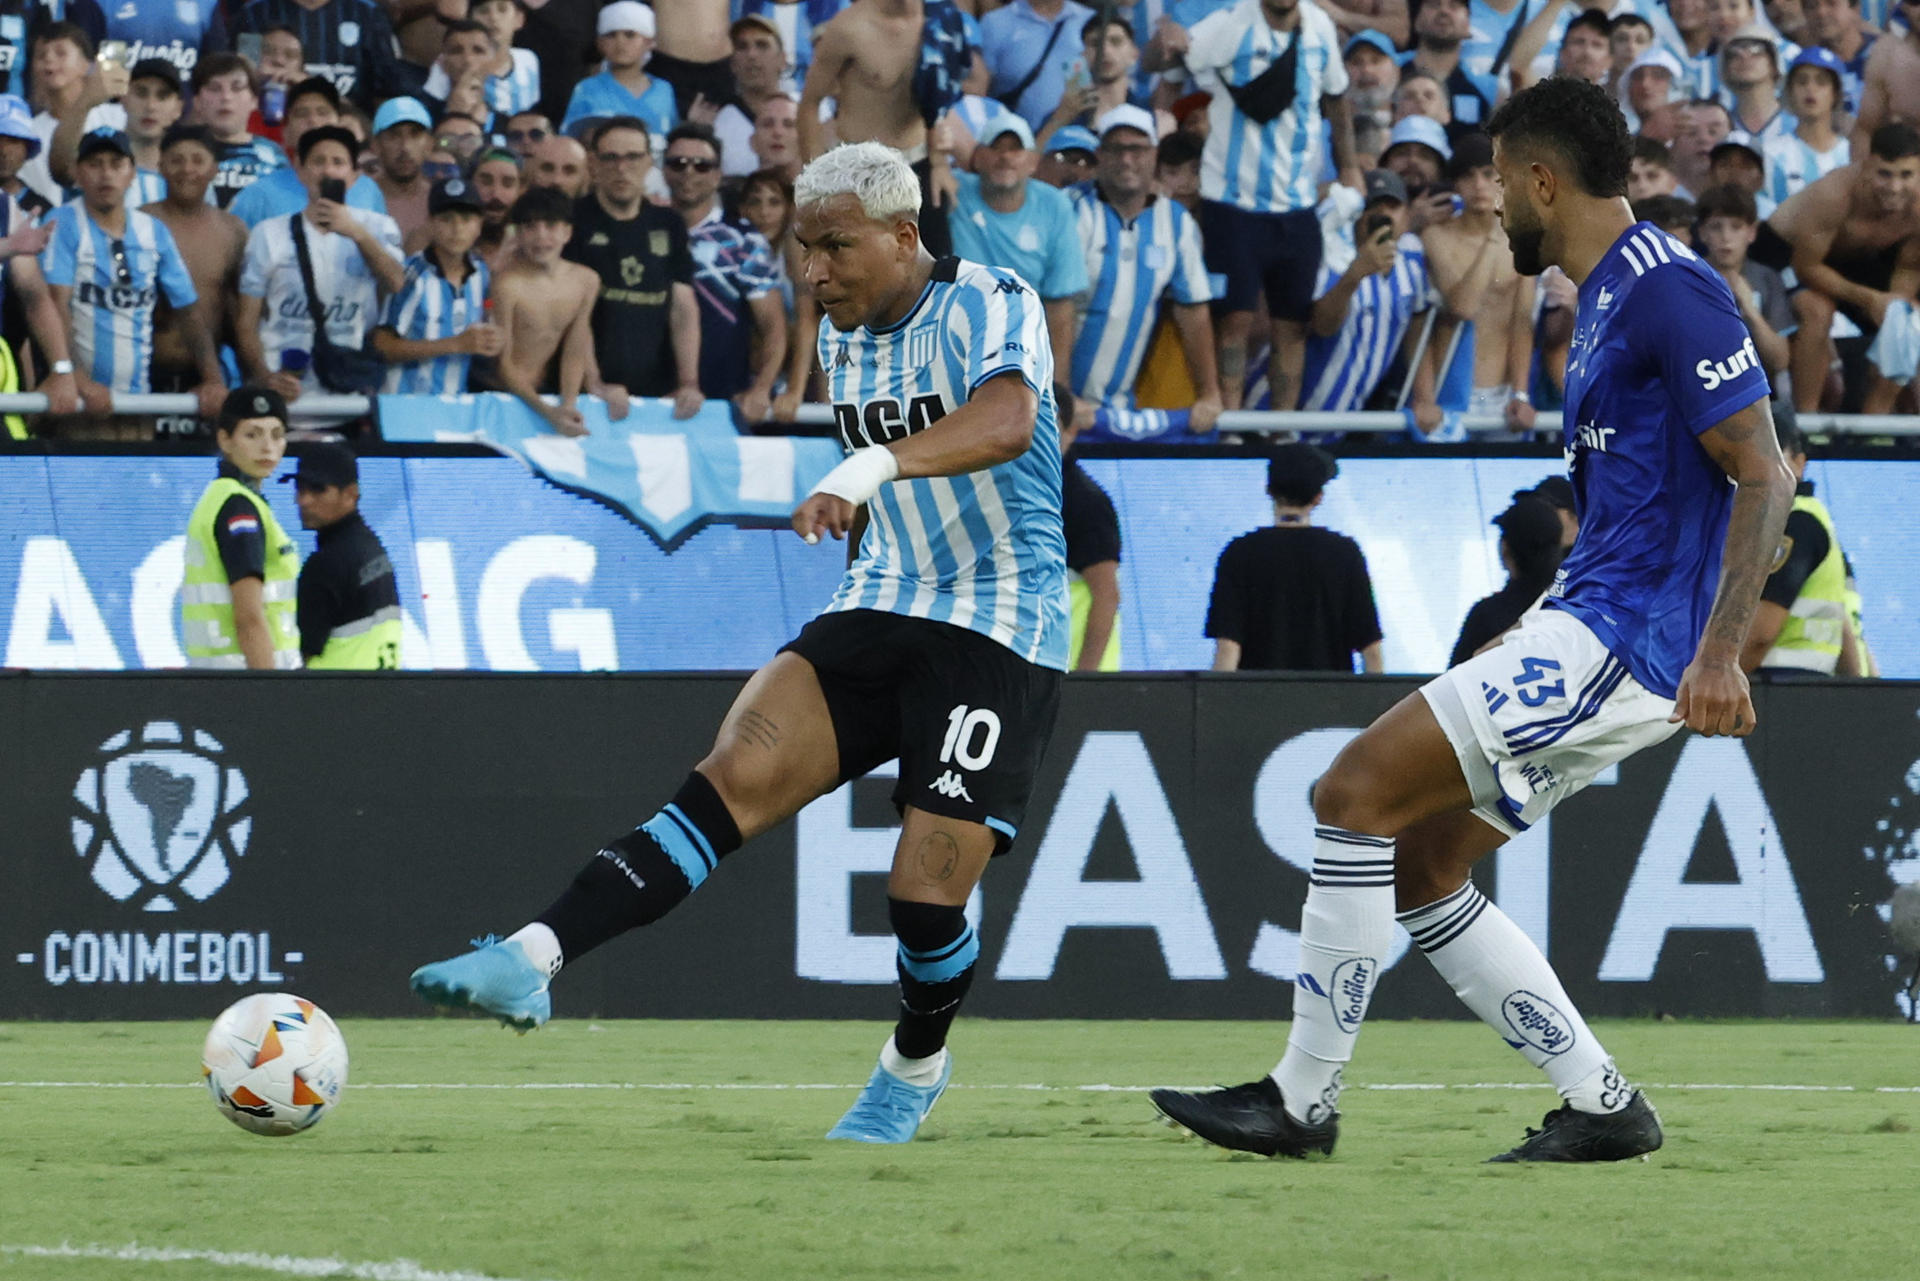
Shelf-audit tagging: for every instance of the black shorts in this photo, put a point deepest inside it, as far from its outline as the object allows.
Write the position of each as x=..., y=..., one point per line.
x=690, y=80
x=1279, y=253
x=968, y=718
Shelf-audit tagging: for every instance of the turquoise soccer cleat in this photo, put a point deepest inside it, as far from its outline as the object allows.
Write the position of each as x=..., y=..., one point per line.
x=890, y=1110
x=495, y=978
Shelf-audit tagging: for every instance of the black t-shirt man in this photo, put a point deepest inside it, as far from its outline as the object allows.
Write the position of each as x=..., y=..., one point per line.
x=1294, y=598
x=1092, y=527
x=1490, y=617
x=638, y=260
x=348, y=578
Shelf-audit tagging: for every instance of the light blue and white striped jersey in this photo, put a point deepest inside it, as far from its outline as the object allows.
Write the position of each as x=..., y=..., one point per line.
x=985, y=551
x=1275, y=167
x=1343, y=370
x=116, y=282
x=1131, y=266
x=430, y=307
x=796, y=24
x=517, y=91
x=1792, y=164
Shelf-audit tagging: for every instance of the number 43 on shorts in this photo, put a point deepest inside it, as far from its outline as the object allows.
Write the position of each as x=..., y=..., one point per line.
x=1534, y=673
x=973, y=733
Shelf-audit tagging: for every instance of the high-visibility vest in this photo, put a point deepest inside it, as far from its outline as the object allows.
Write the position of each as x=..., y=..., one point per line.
x=206, y=597
x=1810, y=638
x=370, y=644
x=1080, y=603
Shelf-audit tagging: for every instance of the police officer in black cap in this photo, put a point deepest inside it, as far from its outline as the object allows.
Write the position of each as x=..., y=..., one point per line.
x=348, y=604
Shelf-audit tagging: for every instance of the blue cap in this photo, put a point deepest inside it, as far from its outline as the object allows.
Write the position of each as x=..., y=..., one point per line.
x=1374, y=39
x=1818, y=56
x=98, y=140
x=397, y=111
x=1424, y=130
x=1073, y=138
x=1004, y=123
x=16, y=121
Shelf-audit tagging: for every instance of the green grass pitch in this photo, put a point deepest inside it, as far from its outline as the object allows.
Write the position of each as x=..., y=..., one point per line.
x=706, y=1179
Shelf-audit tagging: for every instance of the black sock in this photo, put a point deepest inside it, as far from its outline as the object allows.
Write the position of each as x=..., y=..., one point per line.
x=639, y=878
x=937, y=952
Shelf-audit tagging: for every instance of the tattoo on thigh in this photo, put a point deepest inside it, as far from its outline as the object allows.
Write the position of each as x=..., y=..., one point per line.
x=939, y=857
x=758, y=730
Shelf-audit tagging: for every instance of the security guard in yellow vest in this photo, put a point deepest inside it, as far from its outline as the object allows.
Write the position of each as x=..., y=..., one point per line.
x=349, y=605
x=236, y=602
x=1803, y=626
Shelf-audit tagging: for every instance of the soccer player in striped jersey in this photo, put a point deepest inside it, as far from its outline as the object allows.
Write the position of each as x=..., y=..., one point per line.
x=944, y=646
x=436, y=323
x=1683, y=496
x=107, y=266
x=1140, y=248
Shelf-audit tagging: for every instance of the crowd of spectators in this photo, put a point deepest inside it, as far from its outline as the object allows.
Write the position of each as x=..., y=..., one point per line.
x=1224, y=203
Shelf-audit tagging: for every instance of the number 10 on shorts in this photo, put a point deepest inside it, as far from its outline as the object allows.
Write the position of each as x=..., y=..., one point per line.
x=972, y=735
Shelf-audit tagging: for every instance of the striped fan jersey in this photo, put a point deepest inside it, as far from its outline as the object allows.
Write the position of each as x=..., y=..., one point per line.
x=1792, y=164
x=1343, y=370
x=116, y=282
x=430, y=307
x=1273, y=167
x=1131, y=266
x=985, y=551
x=508, y=95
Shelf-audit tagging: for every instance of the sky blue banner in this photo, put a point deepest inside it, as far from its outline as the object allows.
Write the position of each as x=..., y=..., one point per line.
x=671, y=476
x=500, y=570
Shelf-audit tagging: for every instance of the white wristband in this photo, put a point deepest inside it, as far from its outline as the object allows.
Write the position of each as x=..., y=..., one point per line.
x=860, y=474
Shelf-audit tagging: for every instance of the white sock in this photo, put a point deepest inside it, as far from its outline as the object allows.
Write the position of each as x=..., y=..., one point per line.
x=1496, y=969
x=921, y=1072
x=1345, y=930
x=541, y=946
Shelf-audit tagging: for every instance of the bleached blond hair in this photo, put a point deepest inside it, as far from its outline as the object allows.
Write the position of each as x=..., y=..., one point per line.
x=872, y=172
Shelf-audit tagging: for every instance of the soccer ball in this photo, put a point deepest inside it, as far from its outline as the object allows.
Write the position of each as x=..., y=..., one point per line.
x=274, y=1063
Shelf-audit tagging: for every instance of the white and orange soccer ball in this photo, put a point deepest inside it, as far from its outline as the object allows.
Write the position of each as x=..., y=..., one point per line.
x=275, y=1064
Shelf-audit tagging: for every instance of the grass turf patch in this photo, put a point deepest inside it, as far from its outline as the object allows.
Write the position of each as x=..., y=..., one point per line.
x=718, y=1175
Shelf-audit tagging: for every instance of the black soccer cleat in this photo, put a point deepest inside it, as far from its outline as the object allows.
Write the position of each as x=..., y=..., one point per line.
x=1569, y=1135
x=1247, y=1118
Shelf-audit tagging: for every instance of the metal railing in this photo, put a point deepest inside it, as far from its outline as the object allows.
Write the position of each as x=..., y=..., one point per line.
x=1245, y=421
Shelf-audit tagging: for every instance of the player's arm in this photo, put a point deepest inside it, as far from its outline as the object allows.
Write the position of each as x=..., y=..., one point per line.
x=994, y=426
x=1804, y=545
x=1713, y=697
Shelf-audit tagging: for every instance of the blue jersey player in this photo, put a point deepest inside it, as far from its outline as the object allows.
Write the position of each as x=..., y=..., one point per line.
x=1682, y=496
x=944, y=646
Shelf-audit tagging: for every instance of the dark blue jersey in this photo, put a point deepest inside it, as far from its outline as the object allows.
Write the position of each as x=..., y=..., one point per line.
x=1659, y=356
x=181, y=31
x=350, y=42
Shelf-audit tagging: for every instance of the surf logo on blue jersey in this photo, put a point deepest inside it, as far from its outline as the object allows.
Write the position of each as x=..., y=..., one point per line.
x=1712, y=373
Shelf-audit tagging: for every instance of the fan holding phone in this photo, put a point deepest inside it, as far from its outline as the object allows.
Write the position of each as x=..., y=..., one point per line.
x=330, y=263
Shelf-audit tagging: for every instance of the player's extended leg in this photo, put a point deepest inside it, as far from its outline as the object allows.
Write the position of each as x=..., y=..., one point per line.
x=935, y=867
x=1398, y=772
x=775, y=752
x=1502, y=976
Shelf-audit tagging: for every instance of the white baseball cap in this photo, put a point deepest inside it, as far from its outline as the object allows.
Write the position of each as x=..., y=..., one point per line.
x=626, y=15
x=1128, y=116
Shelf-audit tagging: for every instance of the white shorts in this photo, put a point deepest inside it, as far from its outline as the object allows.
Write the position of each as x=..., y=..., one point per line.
x=1535, y=718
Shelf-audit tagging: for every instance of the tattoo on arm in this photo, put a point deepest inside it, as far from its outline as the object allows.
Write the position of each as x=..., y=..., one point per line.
x=758, y=730
x=1743, y=446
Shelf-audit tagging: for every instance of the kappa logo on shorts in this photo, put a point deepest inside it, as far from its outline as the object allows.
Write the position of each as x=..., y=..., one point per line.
x=950, y=786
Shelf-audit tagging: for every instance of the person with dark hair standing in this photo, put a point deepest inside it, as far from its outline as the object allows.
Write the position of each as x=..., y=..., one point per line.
x=1530, y=552
x=237, y=590
x=347, y=603
x=1683, y=497
x=1293, y=597
x=1092, y=529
